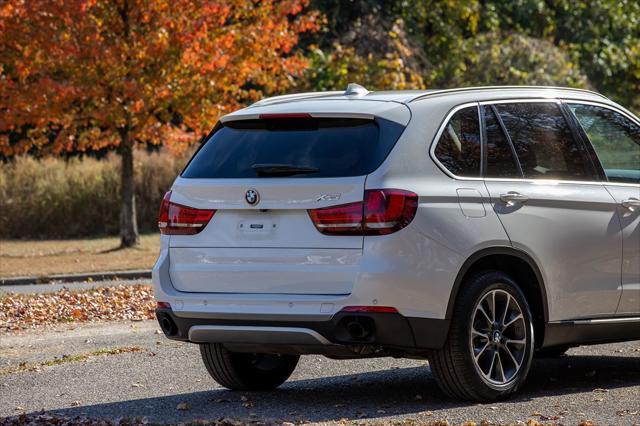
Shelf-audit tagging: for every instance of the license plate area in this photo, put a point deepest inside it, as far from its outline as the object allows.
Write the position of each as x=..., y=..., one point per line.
x=260, y=227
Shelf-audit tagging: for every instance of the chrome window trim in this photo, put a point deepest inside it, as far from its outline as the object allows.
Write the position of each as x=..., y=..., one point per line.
x=441, y=129
x=558, y=101
x=613, y=108
x=522, y=101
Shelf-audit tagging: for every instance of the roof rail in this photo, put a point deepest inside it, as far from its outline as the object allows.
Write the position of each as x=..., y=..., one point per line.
x=480, y=88
x=295, y=96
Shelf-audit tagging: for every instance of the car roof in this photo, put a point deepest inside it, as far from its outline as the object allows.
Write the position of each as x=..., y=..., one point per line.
x=385, y=103
x=408, y=96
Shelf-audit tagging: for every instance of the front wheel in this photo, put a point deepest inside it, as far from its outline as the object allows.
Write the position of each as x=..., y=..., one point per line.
x=247, y=371
x=489, y=349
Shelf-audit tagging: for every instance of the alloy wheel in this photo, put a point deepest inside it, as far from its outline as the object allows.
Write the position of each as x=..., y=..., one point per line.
x=498, y=337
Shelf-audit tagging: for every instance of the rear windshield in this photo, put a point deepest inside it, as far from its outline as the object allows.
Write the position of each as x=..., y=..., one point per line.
x=319, y=147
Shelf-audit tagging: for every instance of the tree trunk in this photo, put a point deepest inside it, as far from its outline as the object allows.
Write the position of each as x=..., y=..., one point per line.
x=128, y=221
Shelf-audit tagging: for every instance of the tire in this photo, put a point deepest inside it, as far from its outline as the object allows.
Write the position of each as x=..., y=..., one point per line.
x=554, y=352
x=454, y=366
x=247, y=371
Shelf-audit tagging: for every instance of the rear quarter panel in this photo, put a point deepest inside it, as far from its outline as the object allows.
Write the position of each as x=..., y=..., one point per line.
x=418, y=265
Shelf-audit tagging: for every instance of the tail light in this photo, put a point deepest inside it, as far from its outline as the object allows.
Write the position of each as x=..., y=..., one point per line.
x=382, y=212
x=176, y=219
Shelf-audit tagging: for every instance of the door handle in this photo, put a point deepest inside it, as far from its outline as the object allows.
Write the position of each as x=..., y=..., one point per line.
x=513, y=197
x=631, y=203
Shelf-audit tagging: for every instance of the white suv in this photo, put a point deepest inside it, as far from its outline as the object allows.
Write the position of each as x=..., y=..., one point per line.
x=473, y=227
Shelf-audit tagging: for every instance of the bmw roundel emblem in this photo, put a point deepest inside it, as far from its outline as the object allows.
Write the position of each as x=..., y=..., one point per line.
x=252, y=197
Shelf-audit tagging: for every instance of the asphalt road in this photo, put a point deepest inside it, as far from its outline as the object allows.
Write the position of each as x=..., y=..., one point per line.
x=599, y=383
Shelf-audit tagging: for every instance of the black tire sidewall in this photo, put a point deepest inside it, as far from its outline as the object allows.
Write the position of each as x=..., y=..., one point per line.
x=235, y=370
x=259, y=379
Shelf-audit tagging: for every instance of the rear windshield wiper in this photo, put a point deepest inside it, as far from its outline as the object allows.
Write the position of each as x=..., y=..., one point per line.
x=282, y=169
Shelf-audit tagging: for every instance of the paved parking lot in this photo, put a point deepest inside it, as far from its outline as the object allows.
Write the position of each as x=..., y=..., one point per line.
x=599, y=383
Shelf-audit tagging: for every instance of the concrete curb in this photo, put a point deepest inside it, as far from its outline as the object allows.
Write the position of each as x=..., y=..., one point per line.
x=92, y=276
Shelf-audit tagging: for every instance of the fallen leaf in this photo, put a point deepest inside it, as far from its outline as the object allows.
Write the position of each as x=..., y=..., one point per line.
x=183, y=406
x=545, y=418
x=75, y=404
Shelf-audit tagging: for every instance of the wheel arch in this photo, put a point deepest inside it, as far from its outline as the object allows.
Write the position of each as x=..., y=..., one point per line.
x=521, y=267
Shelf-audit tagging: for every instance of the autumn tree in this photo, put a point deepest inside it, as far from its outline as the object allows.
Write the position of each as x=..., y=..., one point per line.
x=78, y=75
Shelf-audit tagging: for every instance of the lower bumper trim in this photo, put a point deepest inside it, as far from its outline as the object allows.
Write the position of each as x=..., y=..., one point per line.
x=386, y=330
x=255, y=335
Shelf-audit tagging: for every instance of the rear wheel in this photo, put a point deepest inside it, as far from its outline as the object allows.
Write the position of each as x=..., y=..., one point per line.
x=489, y=349
x=247, y=371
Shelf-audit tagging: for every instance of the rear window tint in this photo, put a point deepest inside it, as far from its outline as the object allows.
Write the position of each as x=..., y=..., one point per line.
x=501, y=162
x=544, y=143
x=334, y=147
x=459, y=146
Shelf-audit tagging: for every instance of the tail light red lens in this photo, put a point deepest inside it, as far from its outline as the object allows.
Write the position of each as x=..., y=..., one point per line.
x=382, y=212
x=176, y=219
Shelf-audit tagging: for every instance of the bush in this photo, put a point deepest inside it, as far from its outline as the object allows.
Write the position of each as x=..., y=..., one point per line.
x=57, y=198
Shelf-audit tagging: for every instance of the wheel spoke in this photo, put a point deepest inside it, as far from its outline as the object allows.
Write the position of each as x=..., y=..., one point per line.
x=506, y=309
x=479, y=334
x=493, y=307
x=493, y=364
x=481, y=309
x=512, y=320
x=516, y=364
x=515, y=341
x=484, y=348
x=501, y=367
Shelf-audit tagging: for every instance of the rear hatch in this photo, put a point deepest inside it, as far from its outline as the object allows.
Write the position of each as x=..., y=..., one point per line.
x=261, y=173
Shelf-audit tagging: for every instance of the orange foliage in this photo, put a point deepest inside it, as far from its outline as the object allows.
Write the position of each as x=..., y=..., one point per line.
x=77, y=73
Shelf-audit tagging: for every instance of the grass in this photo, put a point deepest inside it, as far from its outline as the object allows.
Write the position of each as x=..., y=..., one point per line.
x=49, y=257
x=64, y=359
x=52, y=197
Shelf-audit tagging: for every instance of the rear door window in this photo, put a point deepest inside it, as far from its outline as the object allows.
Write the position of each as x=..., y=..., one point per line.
x=615, y=138
x=295, y=147
x=544, y=142
x=458, y=148
x=501, y=160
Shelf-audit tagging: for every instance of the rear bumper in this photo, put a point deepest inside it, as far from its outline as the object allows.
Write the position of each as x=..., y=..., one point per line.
x=390, y=331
